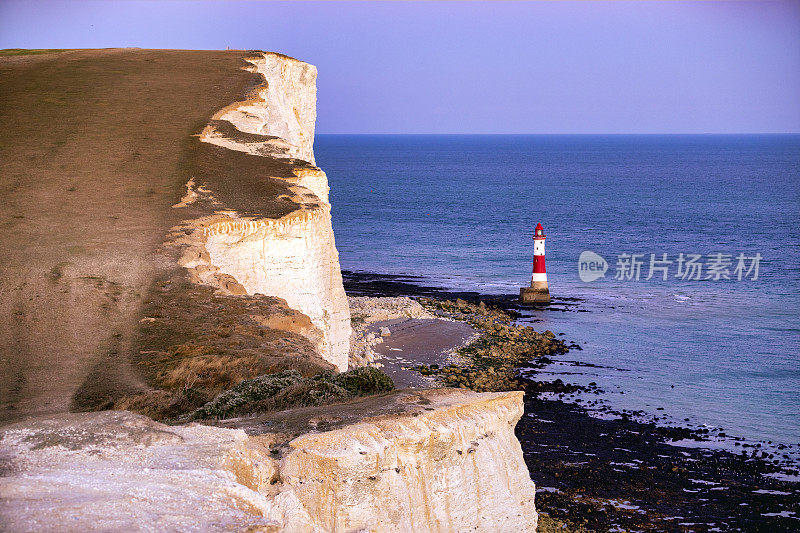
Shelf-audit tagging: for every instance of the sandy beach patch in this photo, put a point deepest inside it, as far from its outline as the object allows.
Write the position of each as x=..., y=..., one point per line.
x=415, y=341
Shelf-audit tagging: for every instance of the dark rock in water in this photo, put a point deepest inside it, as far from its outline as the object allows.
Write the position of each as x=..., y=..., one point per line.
x=602, y=474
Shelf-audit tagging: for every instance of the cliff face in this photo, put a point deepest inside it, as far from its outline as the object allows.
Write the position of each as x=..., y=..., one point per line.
x=450, y=462
x=292, y=256
x=283, y=109
x=439, y=460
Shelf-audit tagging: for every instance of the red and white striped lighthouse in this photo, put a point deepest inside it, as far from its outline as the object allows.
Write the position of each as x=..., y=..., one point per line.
x=538, y=292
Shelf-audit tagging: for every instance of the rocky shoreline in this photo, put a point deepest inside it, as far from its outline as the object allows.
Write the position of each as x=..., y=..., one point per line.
x=599, y=473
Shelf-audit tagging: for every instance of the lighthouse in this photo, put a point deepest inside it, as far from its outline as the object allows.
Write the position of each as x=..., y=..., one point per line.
x=538, y=292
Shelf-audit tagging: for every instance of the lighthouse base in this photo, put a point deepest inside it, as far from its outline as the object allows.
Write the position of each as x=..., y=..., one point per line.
x=538, y=294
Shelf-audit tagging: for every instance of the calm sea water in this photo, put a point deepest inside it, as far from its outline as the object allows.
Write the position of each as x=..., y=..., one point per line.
x=459, y=210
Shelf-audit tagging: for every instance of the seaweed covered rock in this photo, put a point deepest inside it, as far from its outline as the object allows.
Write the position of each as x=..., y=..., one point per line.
x=490, y=362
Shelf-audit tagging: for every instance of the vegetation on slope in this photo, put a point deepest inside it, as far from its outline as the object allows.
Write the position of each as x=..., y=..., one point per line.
x=274, y=392
x=211, y=356
x=30, y=51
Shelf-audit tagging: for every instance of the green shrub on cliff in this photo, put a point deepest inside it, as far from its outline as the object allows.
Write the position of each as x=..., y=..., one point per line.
x=364, y=381
x=288, y=389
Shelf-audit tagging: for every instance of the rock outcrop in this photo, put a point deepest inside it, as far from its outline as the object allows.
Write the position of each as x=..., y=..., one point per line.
x=431, y=460
x=377, y=309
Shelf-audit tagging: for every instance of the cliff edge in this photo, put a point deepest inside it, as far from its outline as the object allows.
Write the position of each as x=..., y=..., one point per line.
x=436, y=460
x=107, y=155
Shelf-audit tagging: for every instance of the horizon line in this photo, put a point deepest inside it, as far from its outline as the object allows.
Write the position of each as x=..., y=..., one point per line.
x=586, y=134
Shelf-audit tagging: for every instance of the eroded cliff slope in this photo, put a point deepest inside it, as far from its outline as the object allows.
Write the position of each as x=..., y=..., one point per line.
x=290, y=255
x=96, y=145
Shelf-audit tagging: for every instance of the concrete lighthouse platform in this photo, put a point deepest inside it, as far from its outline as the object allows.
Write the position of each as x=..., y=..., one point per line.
x=534, y=294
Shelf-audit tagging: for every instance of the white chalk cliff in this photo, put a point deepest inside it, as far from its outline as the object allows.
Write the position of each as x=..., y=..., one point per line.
x=293, y=257
x=283, y=107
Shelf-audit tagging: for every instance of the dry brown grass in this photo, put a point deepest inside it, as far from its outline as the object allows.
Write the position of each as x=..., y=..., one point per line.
x=212, y=373
x=195, y=344
x=179, y=351
x=156, y=404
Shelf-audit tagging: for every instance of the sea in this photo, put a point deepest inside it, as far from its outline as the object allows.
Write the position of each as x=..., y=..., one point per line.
x=673, y=260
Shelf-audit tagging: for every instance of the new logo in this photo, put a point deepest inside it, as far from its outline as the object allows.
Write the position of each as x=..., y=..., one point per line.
x=591, y=266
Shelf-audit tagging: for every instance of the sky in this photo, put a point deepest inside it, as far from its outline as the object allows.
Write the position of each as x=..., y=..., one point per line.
x=481, y=67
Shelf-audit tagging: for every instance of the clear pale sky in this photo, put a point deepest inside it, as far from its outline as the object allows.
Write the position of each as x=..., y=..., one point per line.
x=451, y=67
